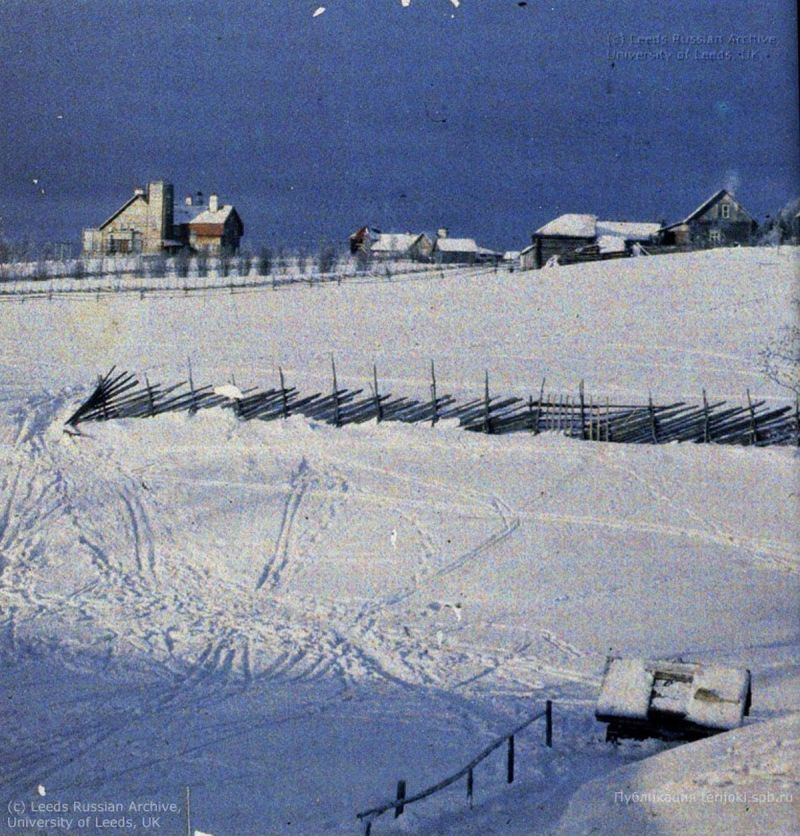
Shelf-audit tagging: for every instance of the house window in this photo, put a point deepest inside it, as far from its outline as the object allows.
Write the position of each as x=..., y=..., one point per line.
x=715, y=236
x=726, y=210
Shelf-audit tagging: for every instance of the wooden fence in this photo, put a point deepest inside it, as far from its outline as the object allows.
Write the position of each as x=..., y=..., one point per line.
x=754, y=422
x=402, y=800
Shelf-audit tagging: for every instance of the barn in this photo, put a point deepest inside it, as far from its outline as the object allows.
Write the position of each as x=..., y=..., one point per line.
x=721, y=220
x=571, y=232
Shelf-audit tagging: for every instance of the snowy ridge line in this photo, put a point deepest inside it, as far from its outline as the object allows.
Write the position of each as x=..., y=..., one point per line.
x=134, y=279
x=368, y=816
x=121, y=395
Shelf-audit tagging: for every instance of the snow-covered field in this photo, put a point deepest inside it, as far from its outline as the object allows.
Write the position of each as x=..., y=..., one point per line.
x=289, y=617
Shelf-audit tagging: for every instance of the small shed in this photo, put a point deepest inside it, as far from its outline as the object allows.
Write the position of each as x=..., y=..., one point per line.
x=671, y=700
x=448, y=250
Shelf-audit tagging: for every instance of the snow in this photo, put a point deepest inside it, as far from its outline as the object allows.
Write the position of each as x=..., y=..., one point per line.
x=457, y=245
x=718, y=697
x=571, y=226
x=625, y=692
x=289, y=617
x=394, y=242
x=628, y=230
x=742, y=782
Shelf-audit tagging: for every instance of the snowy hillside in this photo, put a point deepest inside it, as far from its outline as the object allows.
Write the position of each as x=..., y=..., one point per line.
x=290, y=617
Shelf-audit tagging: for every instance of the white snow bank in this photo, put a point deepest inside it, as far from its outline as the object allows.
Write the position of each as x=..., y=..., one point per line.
x=742, y=782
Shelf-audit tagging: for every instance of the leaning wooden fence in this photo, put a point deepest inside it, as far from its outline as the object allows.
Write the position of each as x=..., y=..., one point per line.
x=754, y=422
x=402, y=800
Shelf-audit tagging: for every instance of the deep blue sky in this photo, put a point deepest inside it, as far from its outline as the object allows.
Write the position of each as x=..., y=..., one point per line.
x=490, y=119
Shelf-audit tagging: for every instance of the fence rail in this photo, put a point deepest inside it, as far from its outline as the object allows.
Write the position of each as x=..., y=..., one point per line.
x=402, y=801
x=145, y=276
x=754, y=422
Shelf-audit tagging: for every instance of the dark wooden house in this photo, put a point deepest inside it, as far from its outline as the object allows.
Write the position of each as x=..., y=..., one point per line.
x=569, y=233
x=721, y=220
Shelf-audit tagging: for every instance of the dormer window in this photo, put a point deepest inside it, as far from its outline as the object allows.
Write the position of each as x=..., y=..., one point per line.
x=725, y=211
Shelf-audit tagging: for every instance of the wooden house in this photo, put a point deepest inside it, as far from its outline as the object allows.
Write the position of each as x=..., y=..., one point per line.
x=141, y=225
x=415, y=246
x=215, y=229
x=447, y=250
x=362, y=238
x=671, y=700
x=721, y=220
x=572, y=232
x=148, y=223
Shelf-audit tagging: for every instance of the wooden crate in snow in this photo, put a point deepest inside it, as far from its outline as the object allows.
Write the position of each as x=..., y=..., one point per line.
x=671, y=700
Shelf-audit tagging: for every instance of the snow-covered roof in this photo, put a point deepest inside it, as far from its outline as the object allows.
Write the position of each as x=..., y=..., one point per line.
x=629, y=230
x=209, y=217
x=626, y=689
x=511, y=255
x=457, y=245
x=570, y=226
x=395, y=242
x=527, y=249
x=487, y=251
x=718, y=697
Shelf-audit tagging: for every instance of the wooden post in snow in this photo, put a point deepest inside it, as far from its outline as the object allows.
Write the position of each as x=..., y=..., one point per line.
x=150, y=397
x=191, y=386
x=653, y=423
x=797, y=420
x=487, y=410
x=548, y=727
x=510, y=760
x=336, y=417
x=401, y=796
x=539, y=407
x=103, y=400
x=378, y=407
x=284, y=399
x=608, y=419
x=753, y=430
x=470, y=788
x=434, y=400
x=583, y=412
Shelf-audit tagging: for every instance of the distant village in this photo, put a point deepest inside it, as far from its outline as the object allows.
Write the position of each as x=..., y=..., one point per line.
x=151, y=221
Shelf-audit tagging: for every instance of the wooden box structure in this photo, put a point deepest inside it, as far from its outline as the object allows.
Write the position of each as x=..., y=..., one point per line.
x=671, y=700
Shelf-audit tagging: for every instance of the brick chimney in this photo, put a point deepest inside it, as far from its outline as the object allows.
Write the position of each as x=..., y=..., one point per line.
x=213, y=202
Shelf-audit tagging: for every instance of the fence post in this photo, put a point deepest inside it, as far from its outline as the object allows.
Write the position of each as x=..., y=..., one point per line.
x=487, y=411
x=470, y=788
x=539, y=407
x=284, y=399
x=104, y=400
x=653, y=423
x=150, y=396
x=583, y=412
x=191, y=386
x=797, y=419
x=336, y=420
x=510, y=760
x=434, y=400
x=706, y=420
x=608, y=419
x=378, y=407
x=401, y=796
x=753, y=430
x=548, y=724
